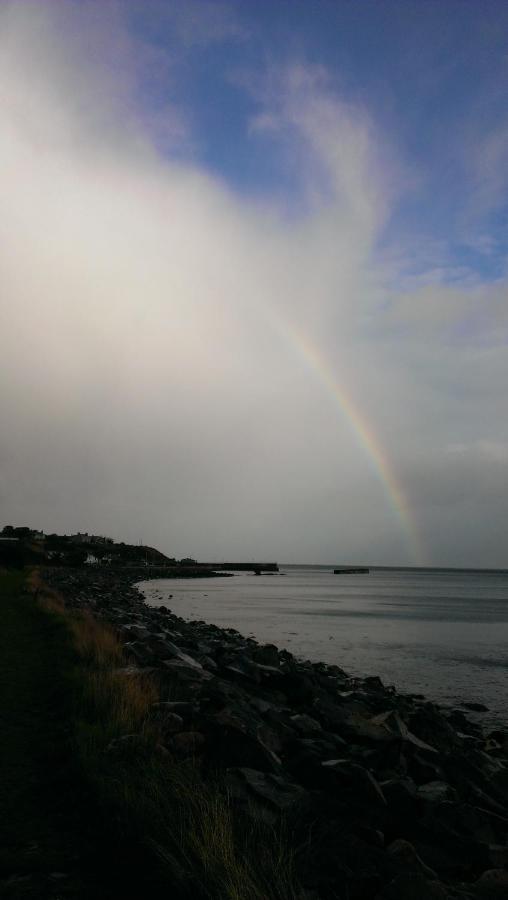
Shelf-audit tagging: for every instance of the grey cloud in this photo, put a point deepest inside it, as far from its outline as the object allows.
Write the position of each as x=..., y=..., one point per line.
x=152, y=384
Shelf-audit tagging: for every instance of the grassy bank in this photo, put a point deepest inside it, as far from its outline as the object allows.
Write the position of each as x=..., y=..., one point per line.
x=167, y=828
x=45, y=833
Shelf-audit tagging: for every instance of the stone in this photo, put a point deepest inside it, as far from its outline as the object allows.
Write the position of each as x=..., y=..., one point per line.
x=235, y=743
x=187, y=743
x=436, y=792
x=395, y=726
x=498, y=855
x=240, y=667
x=267, y=655
x=305, y=724
x=140, y=652
x=424, y=768
x=261, y=705
x=279, y=793
x=208, y=663
x=169, y=723
x=401, y=796
x=406, y=857
x=297, y=687
x=161, y=648
x=138, y=632
x=182, y=669
x=351, y=777
x=427, y=724
x=413, y=886
x=493, y=885
x=183, y=708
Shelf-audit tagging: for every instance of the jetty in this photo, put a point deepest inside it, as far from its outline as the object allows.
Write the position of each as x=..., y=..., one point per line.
x=255, y=567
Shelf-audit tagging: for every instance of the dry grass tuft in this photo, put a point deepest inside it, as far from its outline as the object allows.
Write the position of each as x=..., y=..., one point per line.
x=96, y=642
x=124, y=701
x=49, y=599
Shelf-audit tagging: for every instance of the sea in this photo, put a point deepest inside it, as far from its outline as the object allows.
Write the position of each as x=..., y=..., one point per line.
x=438, y=632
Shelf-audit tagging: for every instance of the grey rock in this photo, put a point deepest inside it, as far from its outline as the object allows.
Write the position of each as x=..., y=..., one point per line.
x=413, y=886
x=187, y=743
x=267, y=655
x=436, y=792
x=493, y=885
x=272, y=789
x=349, y=776
x=305, y=724
x=136, y=632
x=405, y=855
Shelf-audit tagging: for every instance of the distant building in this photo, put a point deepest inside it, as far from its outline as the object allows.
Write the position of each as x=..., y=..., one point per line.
x=86, y=538
x=81, y=538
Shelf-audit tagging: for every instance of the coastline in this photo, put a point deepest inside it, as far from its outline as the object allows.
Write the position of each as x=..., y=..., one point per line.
x=444, y=638
x=417, y=793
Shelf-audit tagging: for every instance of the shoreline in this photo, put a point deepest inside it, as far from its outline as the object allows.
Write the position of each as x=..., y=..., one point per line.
x=396, y=627
x=417, y=792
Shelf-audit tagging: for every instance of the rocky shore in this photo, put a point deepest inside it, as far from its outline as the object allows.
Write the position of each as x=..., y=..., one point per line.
x=386, y=795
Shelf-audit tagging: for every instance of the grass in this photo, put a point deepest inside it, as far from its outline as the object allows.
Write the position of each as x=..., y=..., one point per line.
x=178, y=829
x=46, y=850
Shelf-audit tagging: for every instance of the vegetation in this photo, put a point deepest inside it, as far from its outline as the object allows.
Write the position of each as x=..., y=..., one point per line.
x=21, y=545
x=47, y=830
x=170, y=828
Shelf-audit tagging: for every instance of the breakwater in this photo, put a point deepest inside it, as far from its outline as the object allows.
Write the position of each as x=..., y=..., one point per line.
x=388, y=795
x=244, y=567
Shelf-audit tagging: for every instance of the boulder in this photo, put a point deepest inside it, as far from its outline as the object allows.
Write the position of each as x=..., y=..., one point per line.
x=406, y=858
x=277, y=792
x=238, y=742
x=413, y=886
x=187, y=743
x=475, y=707
x=492, y=885
x=348, y=777
x=169, y=723
x=436, y=792
x=186, y=669
x=305, y=724
x=266, y=655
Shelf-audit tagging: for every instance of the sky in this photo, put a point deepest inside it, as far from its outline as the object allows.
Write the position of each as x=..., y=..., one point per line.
x=253, y=277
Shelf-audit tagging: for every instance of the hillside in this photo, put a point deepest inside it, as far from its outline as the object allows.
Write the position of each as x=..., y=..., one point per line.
x=23, y=545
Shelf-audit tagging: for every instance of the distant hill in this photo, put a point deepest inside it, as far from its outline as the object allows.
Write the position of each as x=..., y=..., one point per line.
x=21, y=545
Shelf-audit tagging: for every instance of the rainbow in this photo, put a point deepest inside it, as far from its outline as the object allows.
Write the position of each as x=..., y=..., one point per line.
x=364, y=434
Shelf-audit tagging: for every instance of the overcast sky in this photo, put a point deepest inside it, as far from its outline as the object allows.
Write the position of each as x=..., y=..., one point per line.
x=253, y=276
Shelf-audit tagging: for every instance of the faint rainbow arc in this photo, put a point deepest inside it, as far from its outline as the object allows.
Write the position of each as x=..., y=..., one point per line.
x=363, y=432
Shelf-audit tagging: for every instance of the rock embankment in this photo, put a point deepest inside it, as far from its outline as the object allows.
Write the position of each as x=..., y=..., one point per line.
x=387, y=795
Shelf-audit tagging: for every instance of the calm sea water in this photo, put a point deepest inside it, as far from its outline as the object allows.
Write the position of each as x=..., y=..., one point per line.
x=436, y=632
